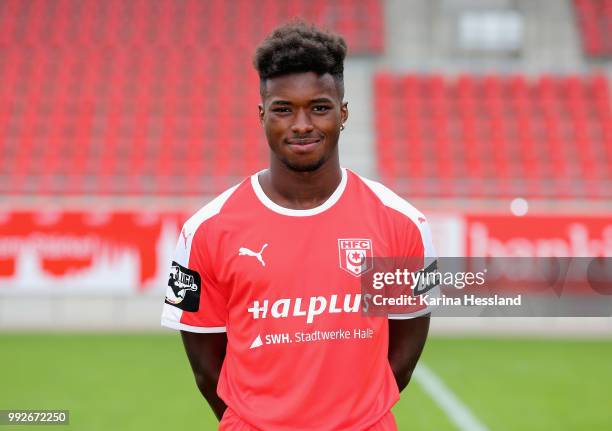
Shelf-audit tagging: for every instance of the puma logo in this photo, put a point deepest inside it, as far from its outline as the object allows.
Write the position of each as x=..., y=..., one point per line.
x=243, y=251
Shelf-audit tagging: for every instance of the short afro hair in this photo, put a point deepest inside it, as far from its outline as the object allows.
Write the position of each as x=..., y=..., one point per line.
x=299, y=47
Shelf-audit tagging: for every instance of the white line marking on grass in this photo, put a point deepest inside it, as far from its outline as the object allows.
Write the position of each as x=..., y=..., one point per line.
x=456, y=411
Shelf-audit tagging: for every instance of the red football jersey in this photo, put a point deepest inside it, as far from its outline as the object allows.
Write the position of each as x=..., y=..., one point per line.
x=285, y=286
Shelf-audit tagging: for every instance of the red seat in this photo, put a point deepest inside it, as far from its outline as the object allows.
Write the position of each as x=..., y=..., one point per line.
x=495, y=136
x=594, y=21
x=129, y=91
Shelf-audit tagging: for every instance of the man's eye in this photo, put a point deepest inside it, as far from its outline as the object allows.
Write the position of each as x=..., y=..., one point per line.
x=281, y=110
x=321, y=108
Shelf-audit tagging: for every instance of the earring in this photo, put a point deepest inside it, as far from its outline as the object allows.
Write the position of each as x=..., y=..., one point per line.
x=342, y=127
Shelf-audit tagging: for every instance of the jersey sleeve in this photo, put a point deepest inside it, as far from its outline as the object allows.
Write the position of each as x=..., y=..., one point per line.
x=413, y=246
x=194, y=301
x=416, y=250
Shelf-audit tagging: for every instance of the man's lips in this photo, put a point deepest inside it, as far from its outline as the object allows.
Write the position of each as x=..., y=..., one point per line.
x=303, y=146
x=304, y=141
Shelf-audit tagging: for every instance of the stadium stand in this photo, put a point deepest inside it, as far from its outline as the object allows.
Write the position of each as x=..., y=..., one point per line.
x=143, y=97
x=495, y=136
x=594, y=19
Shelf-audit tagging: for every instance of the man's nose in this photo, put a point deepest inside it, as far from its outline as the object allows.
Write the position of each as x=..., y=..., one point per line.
x=302, y=124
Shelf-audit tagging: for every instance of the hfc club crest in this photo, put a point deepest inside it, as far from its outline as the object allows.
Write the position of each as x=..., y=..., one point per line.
x=355, y=255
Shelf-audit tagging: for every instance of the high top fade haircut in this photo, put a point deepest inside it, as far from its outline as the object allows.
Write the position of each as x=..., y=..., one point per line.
x=299, y=47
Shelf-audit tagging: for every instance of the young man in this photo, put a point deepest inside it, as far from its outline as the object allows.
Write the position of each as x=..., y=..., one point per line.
x=265, y=286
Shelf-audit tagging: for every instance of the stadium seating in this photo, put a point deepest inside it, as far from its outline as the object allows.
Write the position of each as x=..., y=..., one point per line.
x=133, y=97
x=594, y=19
x=495, y=136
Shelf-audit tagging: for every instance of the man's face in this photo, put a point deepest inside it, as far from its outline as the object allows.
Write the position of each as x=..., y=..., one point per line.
x=302, y=114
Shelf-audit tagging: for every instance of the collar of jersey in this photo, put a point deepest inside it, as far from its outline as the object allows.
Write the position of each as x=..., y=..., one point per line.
x=264, y=199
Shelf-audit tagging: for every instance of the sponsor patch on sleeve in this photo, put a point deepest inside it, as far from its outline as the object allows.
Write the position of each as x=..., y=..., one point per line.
x=185, y=287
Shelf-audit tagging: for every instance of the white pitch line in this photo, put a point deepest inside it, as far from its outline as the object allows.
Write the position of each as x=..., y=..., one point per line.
x=456, y=411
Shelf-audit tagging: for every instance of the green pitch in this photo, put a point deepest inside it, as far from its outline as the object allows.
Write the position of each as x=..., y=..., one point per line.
x=143, y=382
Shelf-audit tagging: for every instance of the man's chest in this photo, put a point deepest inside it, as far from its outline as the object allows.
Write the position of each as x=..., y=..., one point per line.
x=298, y=258
x=297, y=271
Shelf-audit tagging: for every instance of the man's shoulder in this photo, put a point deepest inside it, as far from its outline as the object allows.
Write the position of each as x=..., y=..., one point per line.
x=212, y=209
x=401, y=210
x=389, y=199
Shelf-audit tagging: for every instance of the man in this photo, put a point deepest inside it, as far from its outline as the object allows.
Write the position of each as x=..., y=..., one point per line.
x=266, y=279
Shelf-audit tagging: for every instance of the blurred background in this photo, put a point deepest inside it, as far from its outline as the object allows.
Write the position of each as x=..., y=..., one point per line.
x=119, y=119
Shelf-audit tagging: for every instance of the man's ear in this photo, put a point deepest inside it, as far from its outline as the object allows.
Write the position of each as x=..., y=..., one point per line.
x=261, y=113
x=344, y=114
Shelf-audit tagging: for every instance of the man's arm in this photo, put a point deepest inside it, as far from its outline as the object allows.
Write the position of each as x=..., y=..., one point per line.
x=406, y=341
x=206, y=353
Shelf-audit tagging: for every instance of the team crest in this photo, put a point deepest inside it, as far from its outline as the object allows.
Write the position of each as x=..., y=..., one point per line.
x=355, y=255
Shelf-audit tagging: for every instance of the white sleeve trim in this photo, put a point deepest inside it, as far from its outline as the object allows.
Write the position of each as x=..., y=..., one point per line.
x=414, y=315
x=199, y=329
x=435, y=292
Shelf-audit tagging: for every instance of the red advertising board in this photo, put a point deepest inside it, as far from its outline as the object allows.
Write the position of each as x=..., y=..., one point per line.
x=538, y=236
x=110, y=251
x=130, y=251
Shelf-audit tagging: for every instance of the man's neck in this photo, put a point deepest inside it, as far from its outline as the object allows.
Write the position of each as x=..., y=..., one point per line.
x=300, y=190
